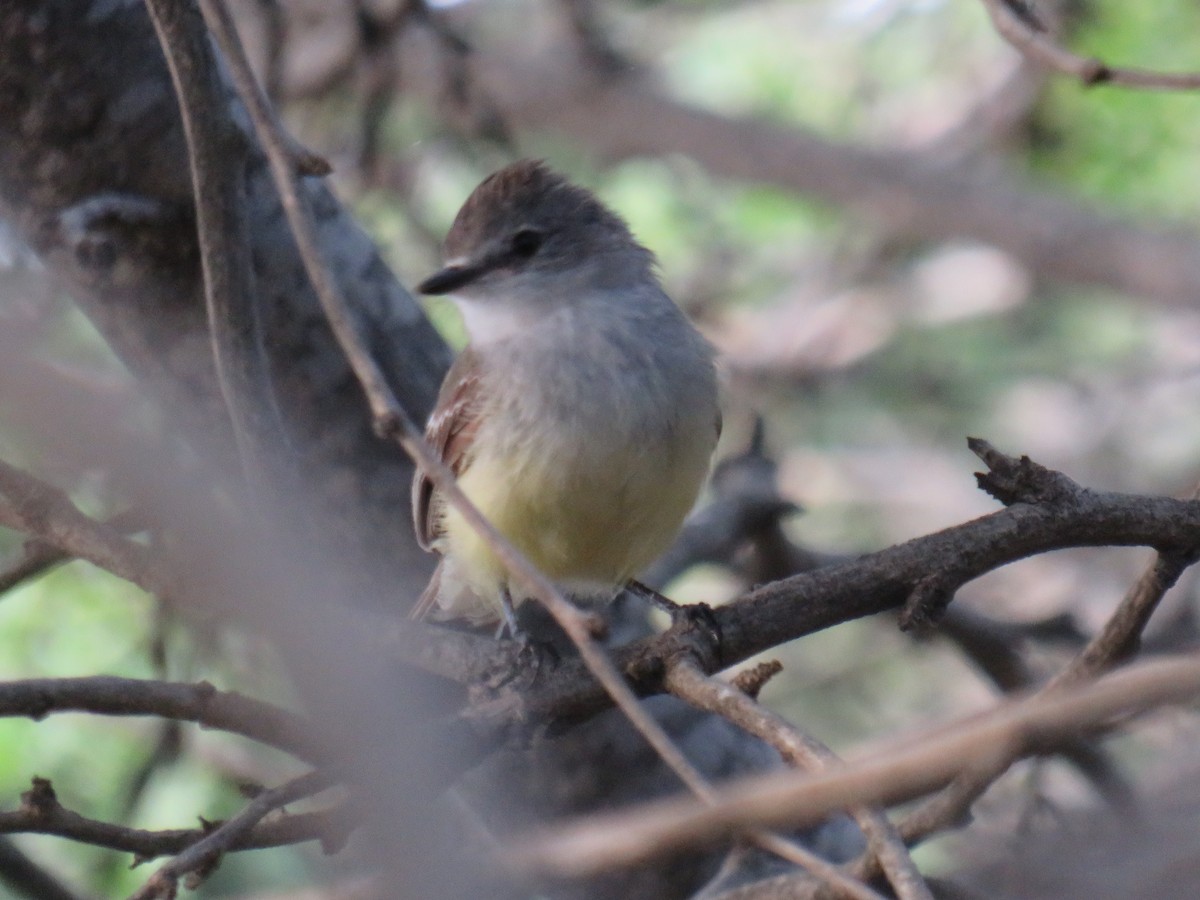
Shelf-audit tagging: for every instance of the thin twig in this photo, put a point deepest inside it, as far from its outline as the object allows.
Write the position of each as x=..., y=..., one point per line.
x=599, y=843
x=1115, y=641
x=1017, y=22
x=688, y=682
x=200, y=703
x=203, y=856
x=42, y=813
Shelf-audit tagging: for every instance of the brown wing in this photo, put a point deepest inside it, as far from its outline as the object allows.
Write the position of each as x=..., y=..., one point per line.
x=450, y=431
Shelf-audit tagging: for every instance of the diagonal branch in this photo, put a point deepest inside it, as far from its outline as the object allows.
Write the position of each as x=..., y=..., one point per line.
x=931, y=567
x=688, y=682
x=42, y=813
x=633, y=836
x=202, y=856
x=46, y=512
x=1018, y=23
x=40, y=555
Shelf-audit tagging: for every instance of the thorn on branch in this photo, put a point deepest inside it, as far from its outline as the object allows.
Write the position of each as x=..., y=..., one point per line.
x=40, y=799
x=927, y=602
x=751, y=681
x=1021, y=480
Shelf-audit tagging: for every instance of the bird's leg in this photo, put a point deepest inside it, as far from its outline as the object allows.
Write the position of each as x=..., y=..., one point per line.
x=534, y=652
x=655, y=599
x=510, y=617
x=696, y=614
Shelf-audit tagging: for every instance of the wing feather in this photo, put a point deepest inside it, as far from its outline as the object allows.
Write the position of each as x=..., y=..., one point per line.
x=450, y=432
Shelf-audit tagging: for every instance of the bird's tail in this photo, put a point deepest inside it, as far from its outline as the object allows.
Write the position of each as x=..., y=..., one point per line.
x=429, y=597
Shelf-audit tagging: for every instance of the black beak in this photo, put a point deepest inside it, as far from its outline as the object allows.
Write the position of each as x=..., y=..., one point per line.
x=449, y=279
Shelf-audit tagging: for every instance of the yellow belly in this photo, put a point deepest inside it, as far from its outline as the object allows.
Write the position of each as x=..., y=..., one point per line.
x=589, y=521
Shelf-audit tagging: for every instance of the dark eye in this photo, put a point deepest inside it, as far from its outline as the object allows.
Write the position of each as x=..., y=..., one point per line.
x=526, y=242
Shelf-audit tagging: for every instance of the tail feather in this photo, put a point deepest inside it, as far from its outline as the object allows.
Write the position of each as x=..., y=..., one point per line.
x=429, y=597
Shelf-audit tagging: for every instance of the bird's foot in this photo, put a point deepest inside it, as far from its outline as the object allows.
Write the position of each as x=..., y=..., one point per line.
x=698, y=616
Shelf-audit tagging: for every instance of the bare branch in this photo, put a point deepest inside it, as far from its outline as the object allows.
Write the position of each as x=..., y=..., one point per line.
x=1115, y=642
x=629, y=837
x=1119, y=637
x=47, y=513
x=200, y=703
x=218, y=150
x=40, y=555
x=1052, y=235
x=41, y=813
x=686, y=681
x=1018, y=23
x=204, y=855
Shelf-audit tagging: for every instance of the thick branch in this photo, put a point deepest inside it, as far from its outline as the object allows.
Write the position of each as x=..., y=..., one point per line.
x=219, y=153
x=806, y=603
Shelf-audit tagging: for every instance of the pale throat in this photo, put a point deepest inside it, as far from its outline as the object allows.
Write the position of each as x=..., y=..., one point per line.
x=493, y=320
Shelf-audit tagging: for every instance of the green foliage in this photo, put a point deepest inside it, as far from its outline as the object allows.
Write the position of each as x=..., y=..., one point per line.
x=1135, y=149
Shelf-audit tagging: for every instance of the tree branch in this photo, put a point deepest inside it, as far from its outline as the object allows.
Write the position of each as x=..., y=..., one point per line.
x=203, y=856
x=1018, y=23
x=39, y=555
x=793, y=607
x=218, y=152
x=46, y=512
x=1054, y=236
x=200, y=703
x=41, y=813
x=688, y=682
x=629, y=837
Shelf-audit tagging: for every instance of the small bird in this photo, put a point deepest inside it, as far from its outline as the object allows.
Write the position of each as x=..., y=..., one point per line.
x=582, y=415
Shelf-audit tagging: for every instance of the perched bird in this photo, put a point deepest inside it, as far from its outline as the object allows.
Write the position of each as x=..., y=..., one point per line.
x=583, y=413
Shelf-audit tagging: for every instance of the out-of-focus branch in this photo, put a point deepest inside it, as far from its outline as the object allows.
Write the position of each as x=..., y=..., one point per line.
x=688, y=682
x=912, y=769
x=41, y=813
x=1052, y=235
x=45, y=512
x=1048, y=512
x=38, y=555
x=200, y=703
x=1018, y=23
x=203, y=856
x=26, y=878
x=218, y=152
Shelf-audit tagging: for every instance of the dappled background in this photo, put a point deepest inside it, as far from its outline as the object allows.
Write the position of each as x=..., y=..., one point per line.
x=897, y=232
